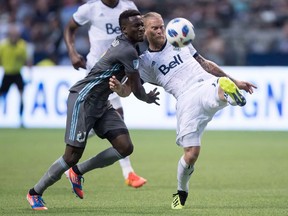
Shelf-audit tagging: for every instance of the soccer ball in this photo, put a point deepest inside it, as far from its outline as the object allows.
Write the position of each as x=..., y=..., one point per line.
x=180, y=32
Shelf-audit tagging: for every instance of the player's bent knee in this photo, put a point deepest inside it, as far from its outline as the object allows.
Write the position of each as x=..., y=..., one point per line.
x=126, y=150
x=72, y=161
x=193, y=158
x=72, y=155
x=191, y=154
x=123, y=144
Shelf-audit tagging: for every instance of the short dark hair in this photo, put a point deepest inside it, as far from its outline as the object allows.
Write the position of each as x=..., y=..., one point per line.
x=126, y=14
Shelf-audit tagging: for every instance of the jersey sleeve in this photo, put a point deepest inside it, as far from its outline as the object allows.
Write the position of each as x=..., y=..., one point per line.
x=83, y=14
x=146, y=73
x=192, y=50
x=129, y=59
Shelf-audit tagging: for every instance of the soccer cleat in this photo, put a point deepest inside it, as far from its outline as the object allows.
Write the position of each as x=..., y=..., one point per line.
x=230, y=88
x=75, y=181
x=36, y=202
x=229, y=100
x=134, y=180
x=179, y=200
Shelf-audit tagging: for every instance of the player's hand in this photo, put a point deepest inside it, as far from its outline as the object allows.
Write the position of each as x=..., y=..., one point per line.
x=153, y=97
x=114, y=84
x=246, y=86
x=78, y=61
x=123, y=90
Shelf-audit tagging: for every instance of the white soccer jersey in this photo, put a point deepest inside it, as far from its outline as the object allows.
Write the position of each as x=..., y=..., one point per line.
x=174, y=69
x=196, y=91
x=104, y=25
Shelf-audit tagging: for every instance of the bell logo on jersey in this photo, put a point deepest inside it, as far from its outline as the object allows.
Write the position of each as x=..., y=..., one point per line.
x=112, y=30
x=164, y=69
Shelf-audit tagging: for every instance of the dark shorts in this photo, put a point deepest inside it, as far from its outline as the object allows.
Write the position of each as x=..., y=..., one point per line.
x=83, y=115
x=8, y=80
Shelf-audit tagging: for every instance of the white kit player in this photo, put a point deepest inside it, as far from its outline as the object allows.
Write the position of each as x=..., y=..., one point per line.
x=195, y=83
x=102, y=16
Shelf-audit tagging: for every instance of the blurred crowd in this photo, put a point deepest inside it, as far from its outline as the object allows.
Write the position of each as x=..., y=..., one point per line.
x=229, y=32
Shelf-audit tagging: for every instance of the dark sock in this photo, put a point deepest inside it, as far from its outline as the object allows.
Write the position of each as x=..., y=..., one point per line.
x=76, y=170
x=33, y=192
x=183, y=196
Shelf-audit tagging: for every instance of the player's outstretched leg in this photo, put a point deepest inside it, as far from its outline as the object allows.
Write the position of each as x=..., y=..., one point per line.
x=36, y=202
x=232, y=90
x=76, y=182
x=179, y=199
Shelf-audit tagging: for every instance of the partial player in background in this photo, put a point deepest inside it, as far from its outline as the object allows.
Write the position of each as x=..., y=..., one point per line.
x=195, y=83
x=102, y=16
x=13, y=56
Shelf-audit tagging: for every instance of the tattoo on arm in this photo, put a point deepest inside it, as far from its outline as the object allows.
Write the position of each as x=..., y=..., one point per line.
x=203, y=62
x=211, y=67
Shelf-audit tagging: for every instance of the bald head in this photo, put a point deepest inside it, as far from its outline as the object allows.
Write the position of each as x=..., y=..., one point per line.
x=13, y=33
x=151, y=15
x=154, y=30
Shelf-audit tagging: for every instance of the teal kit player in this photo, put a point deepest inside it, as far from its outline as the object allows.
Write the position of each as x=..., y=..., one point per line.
x=102, y=18
x=89, y=108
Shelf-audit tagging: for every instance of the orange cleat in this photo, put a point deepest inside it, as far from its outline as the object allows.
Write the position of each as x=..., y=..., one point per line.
x=76, y=183
x=36, y=202
x=134, y=180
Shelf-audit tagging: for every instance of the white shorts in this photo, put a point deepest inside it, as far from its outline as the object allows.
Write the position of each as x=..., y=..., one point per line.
x=91, y=61
x=194, y=109
x=115, y=100
x=190, y=139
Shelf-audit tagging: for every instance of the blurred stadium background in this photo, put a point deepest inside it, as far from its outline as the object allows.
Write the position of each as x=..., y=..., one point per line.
x=229, y=32
x=236, y=34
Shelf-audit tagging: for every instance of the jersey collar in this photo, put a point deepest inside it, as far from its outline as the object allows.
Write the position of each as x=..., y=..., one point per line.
x=109, y=5
x=158, y=50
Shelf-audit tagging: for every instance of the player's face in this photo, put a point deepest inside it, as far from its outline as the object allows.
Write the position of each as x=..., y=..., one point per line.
x=155, y=31
x=13, y=34
x=134, y=29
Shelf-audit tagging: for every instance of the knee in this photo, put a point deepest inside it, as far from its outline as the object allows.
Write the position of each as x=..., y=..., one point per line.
x=126, y=150
x=191, y=156
x=72, y=159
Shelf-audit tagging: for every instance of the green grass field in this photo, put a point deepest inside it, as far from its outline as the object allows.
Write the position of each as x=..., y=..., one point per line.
x=237, y=173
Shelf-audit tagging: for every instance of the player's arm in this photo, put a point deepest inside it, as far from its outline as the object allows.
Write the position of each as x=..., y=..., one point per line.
x=130, y=60
x=133, y=84
x=122, y=89
x=69, y=38
x=213, y=68
x=139, y=91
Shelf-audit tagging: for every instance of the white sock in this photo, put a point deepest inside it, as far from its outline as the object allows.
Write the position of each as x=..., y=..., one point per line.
x=184, y=174
x=126, y=166
x=230, y=100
